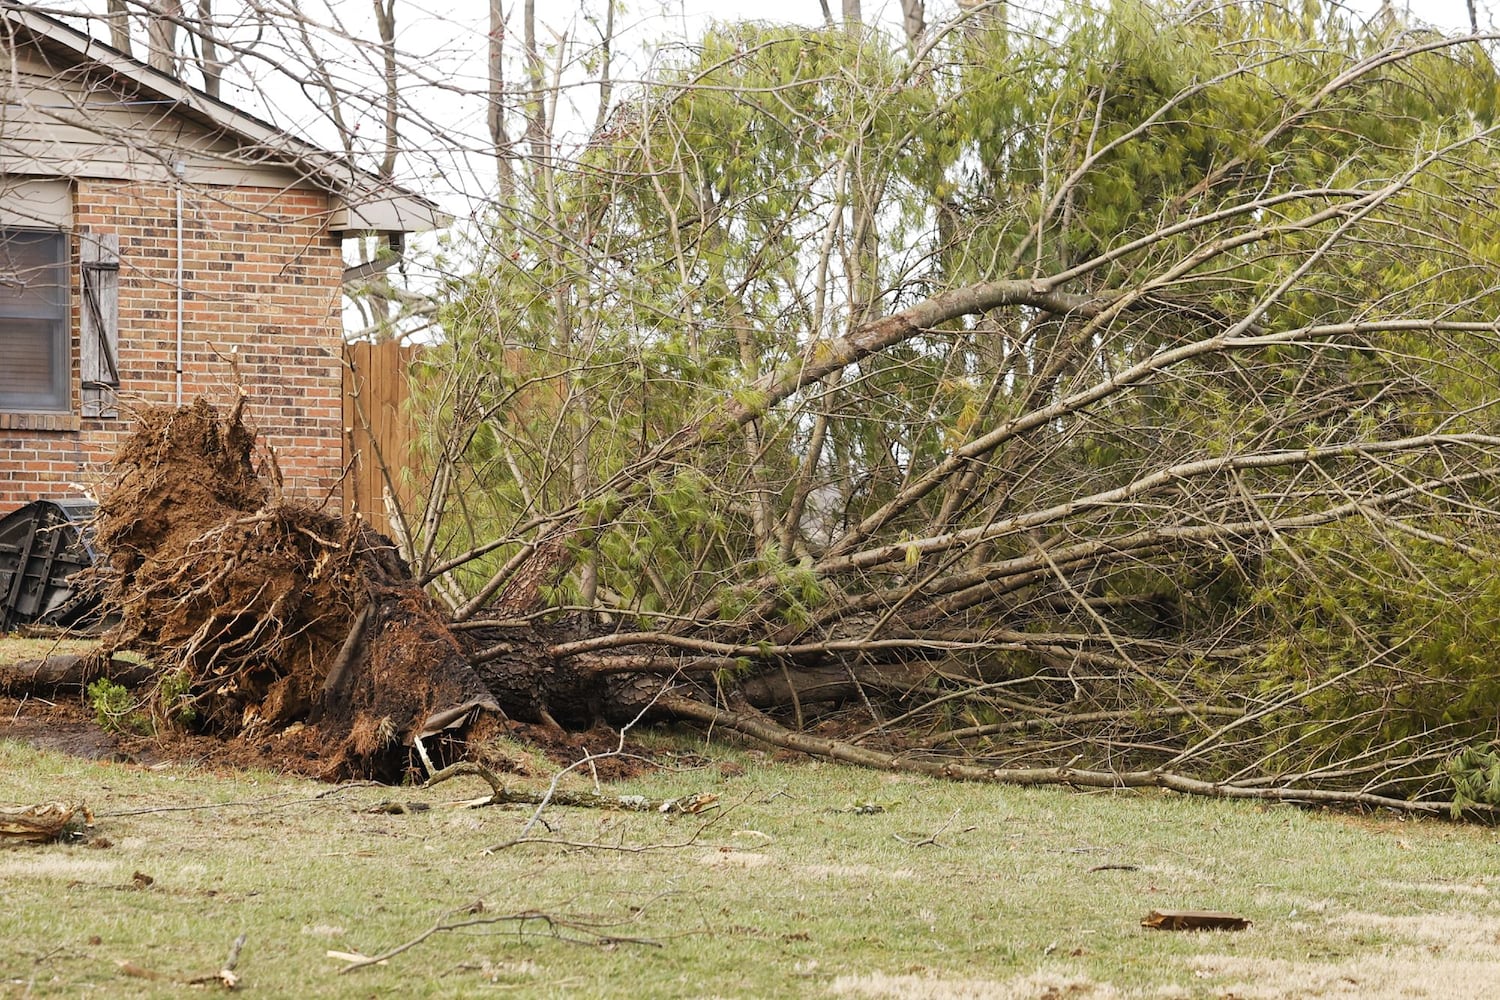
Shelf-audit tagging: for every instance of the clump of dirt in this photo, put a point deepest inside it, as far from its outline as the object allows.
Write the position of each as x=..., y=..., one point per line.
x=273, y=623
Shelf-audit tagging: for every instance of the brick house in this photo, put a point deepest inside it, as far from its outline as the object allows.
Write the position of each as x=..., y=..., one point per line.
x=157, y=244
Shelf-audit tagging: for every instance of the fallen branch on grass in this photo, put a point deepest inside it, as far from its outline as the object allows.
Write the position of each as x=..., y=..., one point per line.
x=763, y=729
x=576, y=930
x=226, y=976
x=932, y=838
x=501, y=795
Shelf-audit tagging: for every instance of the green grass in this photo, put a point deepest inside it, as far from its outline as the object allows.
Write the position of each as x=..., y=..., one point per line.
x=780, y=897
x=14, y=649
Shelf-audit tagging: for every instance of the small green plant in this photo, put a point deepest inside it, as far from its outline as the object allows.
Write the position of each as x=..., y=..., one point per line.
x=115, y=709
x=175, y=698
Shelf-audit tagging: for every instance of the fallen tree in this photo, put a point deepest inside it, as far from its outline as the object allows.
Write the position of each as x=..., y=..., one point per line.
x=1109, y=392
x=1159, y=440
x=269, y=621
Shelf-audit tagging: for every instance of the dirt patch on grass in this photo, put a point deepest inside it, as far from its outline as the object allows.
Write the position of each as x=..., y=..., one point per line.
x=1472, y=933
x=68, y=726
x=1040, y=985
x=56, y=866
x=1476, y=888
x=1417, y=975
x=1438, y=955
x=854, y=872
x=610, y=759
x=734, y=859
x=63, y=726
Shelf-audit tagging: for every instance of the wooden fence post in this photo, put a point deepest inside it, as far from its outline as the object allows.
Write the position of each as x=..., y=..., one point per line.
x=378, y=430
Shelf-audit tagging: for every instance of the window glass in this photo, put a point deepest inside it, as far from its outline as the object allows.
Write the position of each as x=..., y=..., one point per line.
x=33, y=320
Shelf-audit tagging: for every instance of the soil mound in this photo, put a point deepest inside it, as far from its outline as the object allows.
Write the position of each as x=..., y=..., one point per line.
x=269, y=620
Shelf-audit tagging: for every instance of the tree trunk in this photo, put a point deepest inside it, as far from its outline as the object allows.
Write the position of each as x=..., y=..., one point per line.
x=209, y=62
x=72, y=673
x=161, y=35
x=913, y=22
x=495, y=116
x=119, y=25
x=385, y=22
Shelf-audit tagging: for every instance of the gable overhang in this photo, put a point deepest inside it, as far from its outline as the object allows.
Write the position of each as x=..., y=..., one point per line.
x=363, y=202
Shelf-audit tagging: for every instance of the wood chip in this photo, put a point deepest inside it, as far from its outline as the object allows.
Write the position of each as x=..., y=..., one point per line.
x=1194, y=920
x=128, y=968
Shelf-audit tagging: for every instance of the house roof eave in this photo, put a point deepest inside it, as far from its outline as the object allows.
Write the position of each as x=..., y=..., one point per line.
x=365, y=201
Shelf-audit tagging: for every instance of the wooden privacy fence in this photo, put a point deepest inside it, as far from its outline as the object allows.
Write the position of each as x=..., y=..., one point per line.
x=378, y=431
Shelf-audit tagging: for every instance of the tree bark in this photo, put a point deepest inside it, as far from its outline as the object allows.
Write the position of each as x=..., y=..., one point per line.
x=913, y=22
x=119, y=25
x=209, y=62
x=495, y=116
x=58, y=673
x=161, y=35
x=385, y=21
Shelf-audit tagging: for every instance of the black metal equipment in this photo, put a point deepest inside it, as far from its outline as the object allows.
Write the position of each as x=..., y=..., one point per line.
x=41, y=546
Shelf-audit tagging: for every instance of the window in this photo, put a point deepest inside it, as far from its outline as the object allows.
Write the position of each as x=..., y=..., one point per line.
x=34, y=356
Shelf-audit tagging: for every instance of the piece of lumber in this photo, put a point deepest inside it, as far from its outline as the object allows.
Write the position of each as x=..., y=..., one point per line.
x=1194, y=920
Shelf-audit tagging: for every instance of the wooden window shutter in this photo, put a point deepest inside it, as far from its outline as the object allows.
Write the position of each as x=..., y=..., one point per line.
x=99, y=338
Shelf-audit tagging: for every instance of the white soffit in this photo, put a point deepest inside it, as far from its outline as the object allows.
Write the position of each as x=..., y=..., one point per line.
x=36, y=203
x=389, y=213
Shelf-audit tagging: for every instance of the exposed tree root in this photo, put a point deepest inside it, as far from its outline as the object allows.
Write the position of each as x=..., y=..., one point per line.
x=269, y=620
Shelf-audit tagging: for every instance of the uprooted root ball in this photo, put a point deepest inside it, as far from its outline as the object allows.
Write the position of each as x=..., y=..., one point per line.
x=246, y=602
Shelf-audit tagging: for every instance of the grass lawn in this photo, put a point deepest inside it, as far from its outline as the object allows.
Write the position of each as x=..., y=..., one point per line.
x=789, y=891
x=14, y=649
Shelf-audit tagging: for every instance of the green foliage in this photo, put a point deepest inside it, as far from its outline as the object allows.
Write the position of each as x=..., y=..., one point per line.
x=115, y=708
x=1475, y=773
x=1283, y=176
x=174, y=698
x=1388, y=638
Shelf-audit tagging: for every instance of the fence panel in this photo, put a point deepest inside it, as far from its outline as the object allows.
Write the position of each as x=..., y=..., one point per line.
x=378, y=429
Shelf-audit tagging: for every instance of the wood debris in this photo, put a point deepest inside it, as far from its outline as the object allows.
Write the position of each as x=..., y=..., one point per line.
x=226, y=976
x=1194, y=920
x=40, y=824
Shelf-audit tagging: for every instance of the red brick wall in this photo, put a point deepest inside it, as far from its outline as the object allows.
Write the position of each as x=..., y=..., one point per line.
x=262, y=282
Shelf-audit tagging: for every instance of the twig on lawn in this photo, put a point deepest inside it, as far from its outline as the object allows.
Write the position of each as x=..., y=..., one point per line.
x=500, y=795
x=552, y=793
x=226, y=976
x=932, y=838
x=617, y=848
x=577, y=931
